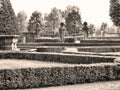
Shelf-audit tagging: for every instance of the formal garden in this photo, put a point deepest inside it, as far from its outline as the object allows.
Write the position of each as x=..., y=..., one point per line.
x=34, y=55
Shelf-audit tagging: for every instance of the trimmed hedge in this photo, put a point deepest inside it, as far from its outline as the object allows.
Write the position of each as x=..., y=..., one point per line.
x=50, y=49
x=66, y=44
x=99, y=49
x=100, y=41
x=57, y=57
x=57, y=76
x=89, y=40
x=47, y=40
x=80, y=49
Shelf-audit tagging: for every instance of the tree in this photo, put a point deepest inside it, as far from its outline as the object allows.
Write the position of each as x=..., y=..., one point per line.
x=91, y=29
x=8, y=23
x=69, y=9
x=54, y=19
x=22, y=24
x=35, y=22
x=115, y=11
x=73, y=22
x=103, y=26
x=22, y=21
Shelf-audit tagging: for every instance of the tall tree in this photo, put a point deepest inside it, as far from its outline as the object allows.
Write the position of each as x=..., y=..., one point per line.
x=22, y=21
x=35, y=22
x=115, y=11
x=54, y=19
x=73, y=22
x=8, y=23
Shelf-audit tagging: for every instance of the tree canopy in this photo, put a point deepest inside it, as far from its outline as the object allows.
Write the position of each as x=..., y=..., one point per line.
x=53, y=19
x=35, y=22
x=73, y=22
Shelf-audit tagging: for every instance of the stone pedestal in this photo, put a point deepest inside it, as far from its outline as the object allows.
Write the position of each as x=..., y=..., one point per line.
x=28, y=36
x=8, y=42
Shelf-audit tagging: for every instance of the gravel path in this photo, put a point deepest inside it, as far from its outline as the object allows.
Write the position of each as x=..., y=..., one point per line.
x=16, y=64
x=113, y=85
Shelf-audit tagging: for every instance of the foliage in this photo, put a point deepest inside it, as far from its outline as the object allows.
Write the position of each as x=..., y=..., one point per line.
x=115, y=11
x=73, y=22
x=69, y=9
x=22, y=21
x=8, y=23
x=113, y=29
x=91, y=29
x=35, y=22
x=103, y=26
x=53, y=19
x=57, y=76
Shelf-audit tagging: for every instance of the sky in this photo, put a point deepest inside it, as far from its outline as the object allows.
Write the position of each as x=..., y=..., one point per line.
x=93, y=11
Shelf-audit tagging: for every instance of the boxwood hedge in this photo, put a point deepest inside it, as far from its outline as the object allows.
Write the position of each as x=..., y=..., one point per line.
x=57, y=76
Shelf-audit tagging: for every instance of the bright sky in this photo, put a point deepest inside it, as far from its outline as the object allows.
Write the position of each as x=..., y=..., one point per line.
x=92, y=11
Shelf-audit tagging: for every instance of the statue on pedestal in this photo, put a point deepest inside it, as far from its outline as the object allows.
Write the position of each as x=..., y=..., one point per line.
x=62, y=32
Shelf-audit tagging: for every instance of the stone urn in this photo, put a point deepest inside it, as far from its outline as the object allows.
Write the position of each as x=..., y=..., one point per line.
x=8, y=42
x=9, y=32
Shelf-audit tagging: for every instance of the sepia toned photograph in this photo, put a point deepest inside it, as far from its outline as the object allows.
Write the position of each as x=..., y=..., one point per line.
x=59, y=44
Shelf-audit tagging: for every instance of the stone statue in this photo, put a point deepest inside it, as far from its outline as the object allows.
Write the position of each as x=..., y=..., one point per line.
x=85, y=30
x=62, y=32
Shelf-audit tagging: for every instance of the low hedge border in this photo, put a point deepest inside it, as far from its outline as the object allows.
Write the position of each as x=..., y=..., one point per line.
x=66, y=44
x=99, y=49
x=57, y=76
x=90, y=39
x=100, y=41
x=57, y=57
x=50, y=49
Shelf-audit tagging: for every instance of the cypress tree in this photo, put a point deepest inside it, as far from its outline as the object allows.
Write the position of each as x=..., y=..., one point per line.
x=8, y=23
